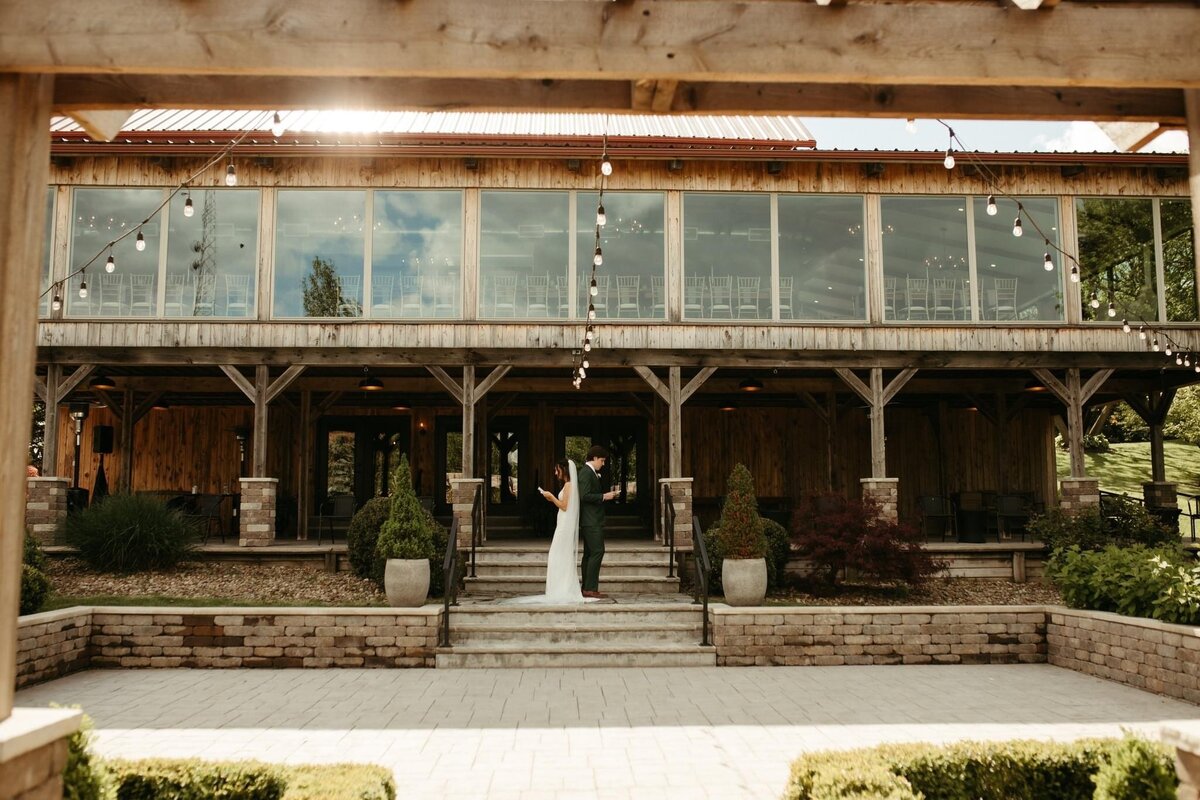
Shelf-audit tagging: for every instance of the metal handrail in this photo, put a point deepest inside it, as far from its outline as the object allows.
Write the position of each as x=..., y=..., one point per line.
x=703, y=566
x=449, y=583
x=668, y=511
x=476, y=525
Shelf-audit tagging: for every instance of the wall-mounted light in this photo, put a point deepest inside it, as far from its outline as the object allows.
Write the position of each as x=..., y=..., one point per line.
x=160, y=405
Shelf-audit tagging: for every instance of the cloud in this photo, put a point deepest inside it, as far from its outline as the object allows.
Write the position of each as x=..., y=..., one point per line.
x=1079, y=137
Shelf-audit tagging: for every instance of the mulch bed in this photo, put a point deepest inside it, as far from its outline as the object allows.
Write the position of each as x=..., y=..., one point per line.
x=935, y=592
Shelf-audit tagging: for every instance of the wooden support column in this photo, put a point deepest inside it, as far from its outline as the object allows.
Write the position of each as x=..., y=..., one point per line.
x=877, y=396
x=826, y=415
x=675, y=395
x=258, y=454
x=468, y=394
x=1191, y=101
x=1074, y=396
x=304, y=495
x=1153, y=408
x=50, y=431
x=24, y=174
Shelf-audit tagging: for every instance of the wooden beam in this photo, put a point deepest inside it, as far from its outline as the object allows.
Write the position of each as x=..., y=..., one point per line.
x=695, y=383
x=855, y=383
x=664, y=96
x=674, y=423
x=814, y=406
x=240, y=381
x=1062, y=102
x=657, y=385
x=877, y=413
x=262, y=383
x=642, y=94
x=703, y=40
x=897, y=383
x=283, y=381
x=143, y=408
x=1051, y=382
x=466, y=396
x=101, y=125
x=24, y=174
x=1075, y=423
x=70, y=383
x=1102, y=418
x=641, y=406
x=39, y=388
x=50, y=431
x=491, y=380
x=327, y=402
x=128, y=423
x=304, y=465
x=452, y=386
x=1093, y=383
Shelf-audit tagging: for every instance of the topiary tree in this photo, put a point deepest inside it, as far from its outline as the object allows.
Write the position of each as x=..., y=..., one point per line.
x=740, y=532
x=407, y=532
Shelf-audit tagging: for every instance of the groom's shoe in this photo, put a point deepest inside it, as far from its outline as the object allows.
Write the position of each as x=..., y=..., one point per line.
x=596, y=595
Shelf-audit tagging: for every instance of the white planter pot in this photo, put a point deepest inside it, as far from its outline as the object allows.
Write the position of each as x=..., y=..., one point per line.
x=406, y=582
x=745, y=581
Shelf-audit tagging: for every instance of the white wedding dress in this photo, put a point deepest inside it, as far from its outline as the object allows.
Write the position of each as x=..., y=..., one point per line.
x=562, y=562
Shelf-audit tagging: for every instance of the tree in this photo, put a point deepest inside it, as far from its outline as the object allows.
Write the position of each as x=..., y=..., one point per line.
x=323, y=293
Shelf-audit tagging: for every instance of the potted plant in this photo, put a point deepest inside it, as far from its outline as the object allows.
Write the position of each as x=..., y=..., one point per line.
x=742, y=543
x=405, y=543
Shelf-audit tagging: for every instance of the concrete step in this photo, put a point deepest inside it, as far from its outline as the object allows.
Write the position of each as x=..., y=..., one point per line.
x=591, y=614
x=493, y=568
x=632, y=635
x=538, y=550
x=568, y=655
x=513, y=585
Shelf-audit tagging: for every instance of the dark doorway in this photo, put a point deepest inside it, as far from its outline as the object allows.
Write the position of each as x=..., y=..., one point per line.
x=626, y=441
x=509, y=472
x=356, y=456
x=447, y=458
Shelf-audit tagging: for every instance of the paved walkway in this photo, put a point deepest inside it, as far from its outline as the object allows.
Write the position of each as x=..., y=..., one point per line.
x=588, y=733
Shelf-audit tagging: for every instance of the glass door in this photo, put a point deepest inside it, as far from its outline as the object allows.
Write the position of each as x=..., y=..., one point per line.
x=625, y=440
x=356, y=456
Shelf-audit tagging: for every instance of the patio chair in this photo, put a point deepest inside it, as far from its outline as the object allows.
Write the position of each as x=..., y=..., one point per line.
x=336, y=513
x=600, y=301
x=1004, y=305
x=204, y=301
x=175, y=303
x=445, y=295
x=917, y=296
x=1012, y=515
x=658, y=297
x=889, y=298
x=1191, y=510
x=504, y=294
x=205, y=514
x=937, y=517
x=786, y=301
x=110, y=294
x=141, y=294
x=410, y=296
x=943, y=297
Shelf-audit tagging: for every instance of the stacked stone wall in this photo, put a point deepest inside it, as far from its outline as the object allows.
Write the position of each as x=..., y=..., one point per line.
x=886, y=494
x=35, y=775
x=53, y=644
x=45, y=506
x=902, y=635
x=1079, y=494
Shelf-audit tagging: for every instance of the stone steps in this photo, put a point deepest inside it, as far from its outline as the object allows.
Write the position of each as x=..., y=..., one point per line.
x=526, y=567
x=516, y=585
x=507, y=570
x=575, y=656
x=648, y=633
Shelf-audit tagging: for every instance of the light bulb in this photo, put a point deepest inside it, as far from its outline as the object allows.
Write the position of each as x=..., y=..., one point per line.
x=949, y=160
x=591, y=313
x=910, y=125
x=582, y=373
x=593, y=290
x=601, y=217
x=1197, y=367
x=1167, y=350
x=991, y=205
x=56, y=303
x=587, y=364
x=1112, y=310
x=1017, y=229
x=587, y=347
x=1074, y=274
x=1142, y=332
x=1048, y=264
x=277, y=126
x=231, y=175
x=1154, y=345
x=598, y=258
x=1178, y=360
x=111, y=264
x=140, y=244
x=605, y=166
x=1095, y=301
x=188, y=208
x=1125, y=326
x=83, y=290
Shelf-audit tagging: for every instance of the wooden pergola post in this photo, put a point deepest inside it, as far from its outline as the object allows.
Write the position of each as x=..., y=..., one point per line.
x=468, y=394
x=24, y=173
x=883, y=490
x=1079, y=492
x=674, y=394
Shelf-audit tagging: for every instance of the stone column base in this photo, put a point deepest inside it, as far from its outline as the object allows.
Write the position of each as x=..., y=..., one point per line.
x=1160, y=494
x=886, y=494
x=681, y=499
x=1079, y=494
x=45, y=506
x=1185, y=738
x=33, y=752
x=462, y=497
x=256, y=526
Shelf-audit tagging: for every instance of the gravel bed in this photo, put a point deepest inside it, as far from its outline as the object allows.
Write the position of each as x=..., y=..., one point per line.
x=935, y=592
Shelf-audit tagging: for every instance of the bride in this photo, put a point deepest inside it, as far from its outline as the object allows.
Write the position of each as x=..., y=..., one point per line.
x=562, y=570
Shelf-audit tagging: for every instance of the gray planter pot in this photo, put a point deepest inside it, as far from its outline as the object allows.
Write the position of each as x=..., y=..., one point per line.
x=745, y=581
x=406, y=582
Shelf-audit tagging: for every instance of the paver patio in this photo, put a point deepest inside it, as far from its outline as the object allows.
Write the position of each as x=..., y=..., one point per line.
x=589, y=733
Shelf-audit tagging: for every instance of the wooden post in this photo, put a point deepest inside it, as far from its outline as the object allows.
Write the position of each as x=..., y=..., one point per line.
x=262, y=377
x=468, y=422
x=674, y=424
x=1074, y=396
x=304, y=498
x=128, y=422
x=50, y=431
x=1191, y=101
x=878, y=443
x=1153, y=408
x=24, y=174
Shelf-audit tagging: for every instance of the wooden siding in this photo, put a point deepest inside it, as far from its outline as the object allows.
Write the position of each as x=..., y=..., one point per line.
x=743, y=176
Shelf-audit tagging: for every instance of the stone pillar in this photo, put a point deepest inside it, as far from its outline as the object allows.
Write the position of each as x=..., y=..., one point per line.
x=1079, y=494
x=886, y=493
x=33, y=752
x=462, y=497
x=256, y=527
x=45, y=507
x=681, y=498
x=1185, y=738
x=1160, y=494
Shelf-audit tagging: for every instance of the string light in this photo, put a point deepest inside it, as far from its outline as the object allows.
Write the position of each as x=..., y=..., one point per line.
x=1167, y=349
x=1154, y=345
x=277, y=128
x=1074, y=274
x=231, y=175
x=910, y=125
x=188, y=209
x=56, y=303
x=1112, y=310
x=1142, y=332
x=1017, y=229
x=949, y=160
x=1125, y=326
x=581, y=363
x=601, y=217
x=598, y=258
x=606, y=166
x=1048, y=263
x=83, y=287
x=593, y=290
x=991, y=205
x=110, y=265
x=1095, y=301
x=140, y=244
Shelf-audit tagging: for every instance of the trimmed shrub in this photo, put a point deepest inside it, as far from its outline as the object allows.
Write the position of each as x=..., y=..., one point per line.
x=739, y=530
x=130, y=533
x=779, y=551
x=84, y=777
x=1092, y=443
x=362, y=536
x=1124, y=522
x=1136, y=581
x=1018, y=770
x=35, y=588
x=842, y=536
x=33, y=555
x=408, y=530
x=1137, y=770
x=160, y=779
x=339, y=782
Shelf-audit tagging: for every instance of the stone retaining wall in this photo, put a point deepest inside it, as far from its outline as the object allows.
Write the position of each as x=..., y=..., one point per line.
x=1145, y=653
x=53, y=644
x=797, y=636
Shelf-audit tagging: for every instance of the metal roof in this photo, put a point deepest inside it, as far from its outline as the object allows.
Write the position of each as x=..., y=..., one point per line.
x=465, y=125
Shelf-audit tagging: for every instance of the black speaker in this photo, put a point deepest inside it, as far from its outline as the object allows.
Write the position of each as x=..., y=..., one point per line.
x=102, y=439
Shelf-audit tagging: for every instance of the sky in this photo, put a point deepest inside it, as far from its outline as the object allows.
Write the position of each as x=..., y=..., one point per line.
x=977, y=135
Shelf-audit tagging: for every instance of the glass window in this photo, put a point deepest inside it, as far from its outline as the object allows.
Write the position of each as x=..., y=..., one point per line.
x=1116, y=259
x=1179, y=264
x=630, y=282
x=319, y=253
x=44, y=302
x=822, y=274
x=926, y=274
x=1013, y=281
x=101, y=215
x=416, y=247
x=212, y=255
x=726, y=256
x=523, y=254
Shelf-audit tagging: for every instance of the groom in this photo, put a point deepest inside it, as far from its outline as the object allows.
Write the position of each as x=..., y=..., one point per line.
x=591, y=518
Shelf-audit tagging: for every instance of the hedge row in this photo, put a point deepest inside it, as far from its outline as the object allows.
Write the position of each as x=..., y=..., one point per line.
x=1096, y=769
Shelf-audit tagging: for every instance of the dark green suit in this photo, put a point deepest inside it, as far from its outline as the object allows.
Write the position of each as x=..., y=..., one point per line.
x=591, y=526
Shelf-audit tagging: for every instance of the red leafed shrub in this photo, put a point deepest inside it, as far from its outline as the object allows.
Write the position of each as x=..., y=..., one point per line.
x=841, y=535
